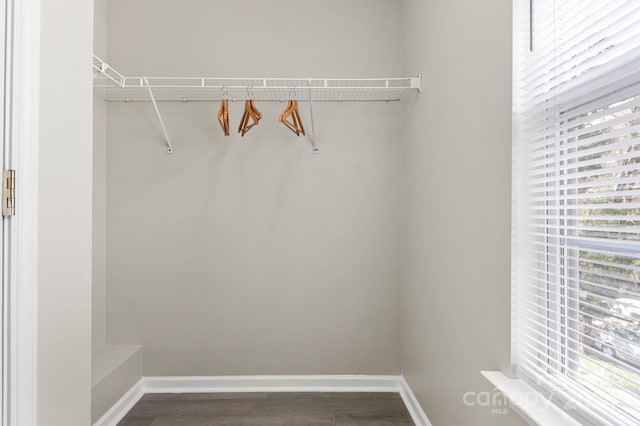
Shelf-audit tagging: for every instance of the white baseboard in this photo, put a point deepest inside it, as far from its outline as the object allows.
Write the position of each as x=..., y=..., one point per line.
x=214, y=384
x=123, y=406
x=413, y=406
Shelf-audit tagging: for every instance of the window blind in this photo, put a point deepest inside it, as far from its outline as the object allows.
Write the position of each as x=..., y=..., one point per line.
x=576, y=246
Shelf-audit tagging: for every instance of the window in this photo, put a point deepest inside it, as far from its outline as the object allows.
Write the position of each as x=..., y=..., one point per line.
x=576, y=250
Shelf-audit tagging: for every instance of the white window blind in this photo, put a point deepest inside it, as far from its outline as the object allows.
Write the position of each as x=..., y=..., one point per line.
x=576, y=294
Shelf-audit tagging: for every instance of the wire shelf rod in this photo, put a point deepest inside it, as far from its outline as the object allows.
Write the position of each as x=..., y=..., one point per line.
x=265, y=81
x=217, y=99
x=247, y=86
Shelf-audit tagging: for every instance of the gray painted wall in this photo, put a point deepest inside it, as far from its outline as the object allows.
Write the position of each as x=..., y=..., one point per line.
x=456, y=231
x=250, y=255
x=64, y=215
x=99, y=273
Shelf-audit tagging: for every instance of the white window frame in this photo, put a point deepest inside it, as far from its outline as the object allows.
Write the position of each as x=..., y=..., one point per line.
x=535, y=403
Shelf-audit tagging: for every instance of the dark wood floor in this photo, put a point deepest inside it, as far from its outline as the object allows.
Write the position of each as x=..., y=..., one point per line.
x=373, y=409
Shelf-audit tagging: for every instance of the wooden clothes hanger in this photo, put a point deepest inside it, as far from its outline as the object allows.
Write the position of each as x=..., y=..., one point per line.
x=290, y=117
x=250, y=112
x=295, y=124
x=223, y=115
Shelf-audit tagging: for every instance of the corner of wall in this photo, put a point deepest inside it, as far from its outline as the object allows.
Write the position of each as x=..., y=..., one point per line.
x=65, y=230
x=99, y=251
x=456, y=269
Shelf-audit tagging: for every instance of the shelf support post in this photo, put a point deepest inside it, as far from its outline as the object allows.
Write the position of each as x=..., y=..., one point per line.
x=155, y=105
x=313, y=127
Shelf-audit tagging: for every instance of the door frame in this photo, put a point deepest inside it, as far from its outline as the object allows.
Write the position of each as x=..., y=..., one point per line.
x=22, y=283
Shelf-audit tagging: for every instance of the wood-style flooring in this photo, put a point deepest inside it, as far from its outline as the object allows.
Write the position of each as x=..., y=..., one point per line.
x=212, y=409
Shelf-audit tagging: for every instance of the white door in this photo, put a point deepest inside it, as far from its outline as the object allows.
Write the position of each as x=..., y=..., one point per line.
x=5, y=222
x=19, y=107
x=7, y=230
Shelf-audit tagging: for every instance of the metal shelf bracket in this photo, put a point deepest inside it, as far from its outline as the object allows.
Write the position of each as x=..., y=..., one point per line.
x=155, y=106
x=313, y=127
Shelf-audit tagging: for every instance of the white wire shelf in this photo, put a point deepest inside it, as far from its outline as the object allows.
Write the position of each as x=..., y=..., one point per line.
x=120, y=88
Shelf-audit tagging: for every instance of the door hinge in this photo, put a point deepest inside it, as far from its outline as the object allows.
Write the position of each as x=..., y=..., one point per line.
x=9, y=193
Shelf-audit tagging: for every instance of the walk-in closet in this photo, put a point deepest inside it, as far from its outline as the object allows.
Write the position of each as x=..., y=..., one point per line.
x=289, y=206
x=320, y=212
